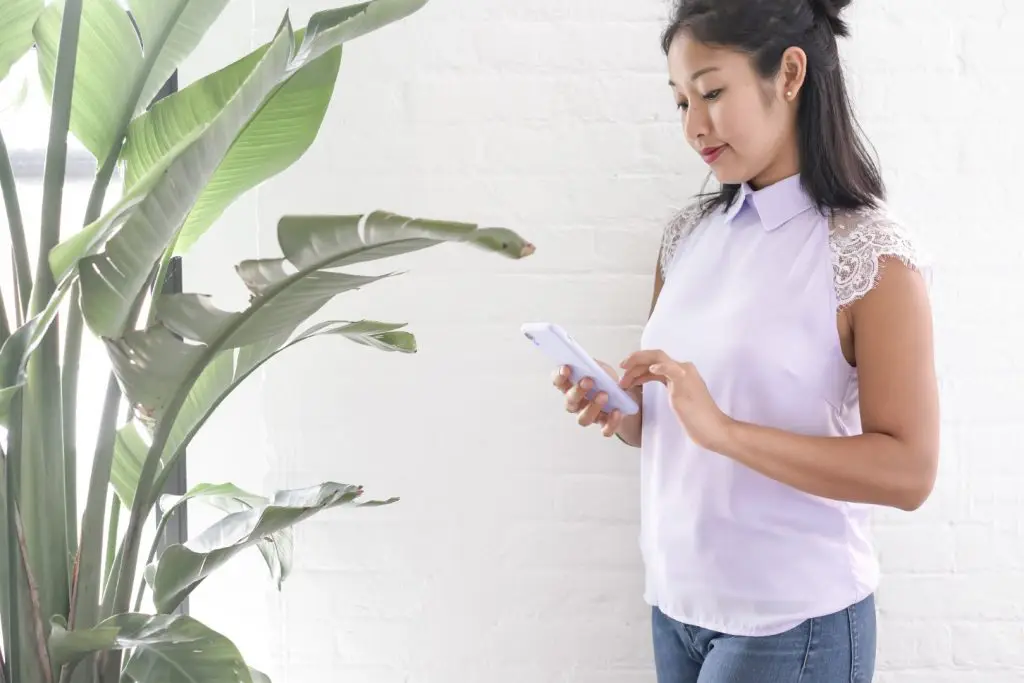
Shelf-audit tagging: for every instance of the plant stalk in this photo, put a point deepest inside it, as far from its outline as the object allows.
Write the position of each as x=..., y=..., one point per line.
x=5, y=327
x=11, y=476
x=39, y=629
x=161, y=527
x=56, y=154
x=19, y=248
x=69, y=405
x=159, y=282
x=43, y=469
x=113, y=520
x=6, y=550
x=110, y=586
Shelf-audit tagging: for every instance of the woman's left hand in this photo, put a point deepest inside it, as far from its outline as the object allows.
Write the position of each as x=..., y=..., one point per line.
x=704, y=421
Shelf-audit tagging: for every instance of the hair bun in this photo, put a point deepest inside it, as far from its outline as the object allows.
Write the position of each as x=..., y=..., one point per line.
x=829, y=10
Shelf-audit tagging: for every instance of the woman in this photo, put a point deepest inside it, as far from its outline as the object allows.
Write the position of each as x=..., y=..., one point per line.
x=786, y=373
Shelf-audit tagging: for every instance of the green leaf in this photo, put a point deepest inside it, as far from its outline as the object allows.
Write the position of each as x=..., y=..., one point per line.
x=108, y=54
x=168, y=648
x=333, y=241
x=156, y=208
x=129, y=454
x=18, y=349
x=116, y=79
x=16, y=20
x=13, y=361
x=153, y=364
x=7, y=395
x=276, y=137
x=159, y=205
x=218, y=379
x=150, y=365
x=276, y=549
x=336, y=26
x=183, y=567
x=65, y=256
x=171, y=30
x=258, y=676
x=88, y=575
x=193, y=316
x=226, y=497
x=378, y=335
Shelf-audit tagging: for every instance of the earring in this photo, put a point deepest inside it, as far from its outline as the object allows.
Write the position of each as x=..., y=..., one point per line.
x=789, y=94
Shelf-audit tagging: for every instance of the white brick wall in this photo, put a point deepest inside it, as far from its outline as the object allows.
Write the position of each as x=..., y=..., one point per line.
x=512, y=556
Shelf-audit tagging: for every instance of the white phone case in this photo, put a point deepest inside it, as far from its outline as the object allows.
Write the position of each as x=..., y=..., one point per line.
x=560, y=347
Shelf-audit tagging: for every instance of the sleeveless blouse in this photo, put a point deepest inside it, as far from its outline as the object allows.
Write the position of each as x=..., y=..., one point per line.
x=750, y=297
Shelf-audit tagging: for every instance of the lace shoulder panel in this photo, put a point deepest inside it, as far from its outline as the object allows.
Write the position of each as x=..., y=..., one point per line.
x=860, y=241
x=681, y=225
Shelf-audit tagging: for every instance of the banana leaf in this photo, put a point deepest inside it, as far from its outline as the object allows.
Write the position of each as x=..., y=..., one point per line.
x=164, y=648
x=183, y=567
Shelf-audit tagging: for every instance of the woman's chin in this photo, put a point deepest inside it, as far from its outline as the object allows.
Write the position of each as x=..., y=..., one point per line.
x=727, y=175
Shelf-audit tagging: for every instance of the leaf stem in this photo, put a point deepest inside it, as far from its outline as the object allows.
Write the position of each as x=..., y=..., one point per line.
x=5, y=327
x=160, y=528
x=112, y=523
x=22, y=268
x=159, y=283
x=11, y=476
x=56, y=153
x=69, y=404
x=33, y=593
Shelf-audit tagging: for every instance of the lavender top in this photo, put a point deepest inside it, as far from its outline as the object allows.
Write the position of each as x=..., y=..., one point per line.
x=750, y=297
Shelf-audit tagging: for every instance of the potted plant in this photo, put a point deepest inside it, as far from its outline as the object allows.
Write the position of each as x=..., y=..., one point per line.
x=72, y=587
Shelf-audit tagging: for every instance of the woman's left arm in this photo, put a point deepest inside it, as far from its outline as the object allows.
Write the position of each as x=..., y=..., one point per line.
x=894, y=461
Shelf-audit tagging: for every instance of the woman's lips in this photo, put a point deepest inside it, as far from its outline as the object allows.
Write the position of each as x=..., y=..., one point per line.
x=710, y=154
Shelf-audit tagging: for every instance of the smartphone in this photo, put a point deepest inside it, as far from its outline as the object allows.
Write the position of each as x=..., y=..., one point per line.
x=560, y=347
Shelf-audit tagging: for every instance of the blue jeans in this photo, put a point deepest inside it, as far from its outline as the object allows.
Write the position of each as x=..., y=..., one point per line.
x=837, y=648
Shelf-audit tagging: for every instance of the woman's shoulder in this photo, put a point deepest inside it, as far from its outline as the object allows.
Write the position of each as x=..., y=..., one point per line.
x=862, y=241
x=681, y=224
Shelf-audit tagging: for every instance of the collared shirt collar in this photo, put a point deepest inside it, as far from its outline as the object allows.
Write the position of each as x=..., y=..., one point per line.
x=775, y=204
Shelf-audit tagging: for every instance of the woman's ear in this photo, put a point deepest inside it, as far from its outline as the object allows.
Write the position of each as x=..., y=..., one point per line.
x=792, y=73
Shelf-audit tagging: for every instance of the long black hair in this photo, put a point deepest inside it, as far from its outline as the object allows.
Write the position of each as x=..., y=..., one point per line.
x=835, y=167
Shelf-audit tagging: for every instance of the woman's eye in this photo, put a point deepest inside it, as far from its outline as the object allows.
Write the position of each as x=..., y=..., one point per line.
x=713, y=95
x=682, y=105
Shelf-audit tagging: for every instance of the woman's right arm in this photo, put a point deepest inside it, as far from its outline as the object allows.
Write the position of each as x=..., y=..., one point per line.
x=629, y=429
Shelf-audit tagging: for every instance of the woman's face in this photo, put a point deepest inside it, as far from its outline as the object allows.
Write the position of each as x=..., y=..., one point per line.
x=742, y=125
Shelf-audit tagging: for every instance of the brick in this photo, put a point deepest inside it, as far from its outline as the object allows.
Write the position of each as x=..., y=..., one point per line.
x=991, y=645
x=916, y=549
x=910, y=645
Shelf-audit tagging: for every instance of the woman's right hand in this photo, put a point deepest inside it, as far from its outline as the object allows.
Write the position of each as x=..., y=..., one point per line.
x=588, y=411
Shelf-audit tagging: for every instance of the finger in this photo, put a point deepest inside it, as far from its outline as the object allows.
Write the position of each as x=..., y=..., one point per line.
x=609, y=369
x=612, y=424
x=590, y=414
x=644, y=379
x=576, y=397
x=631, y=373
x=639, y=375
x=671, y=371
x=645, y=357
x=561, y=378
